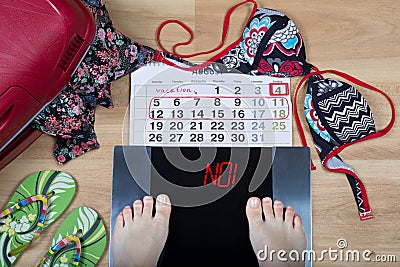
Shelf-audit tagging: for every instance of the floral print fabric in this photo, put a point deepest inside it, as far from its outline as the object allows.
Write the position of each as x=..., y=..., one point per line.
x=271, y=45
x=71, y=115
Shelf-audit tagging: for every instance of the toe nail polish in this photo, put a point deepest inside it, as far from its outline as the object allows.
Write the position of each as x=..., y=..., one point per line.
x=254, y=203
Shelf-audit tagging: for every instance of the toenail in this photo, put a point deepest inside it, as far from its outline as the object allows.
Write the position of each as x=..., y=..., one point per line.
x=148, y=198
x=127, y=207
x=267, y=199
x=254, y=203
x=277, y=202
x=162, y=199
x=289, y=208
x=137, y=202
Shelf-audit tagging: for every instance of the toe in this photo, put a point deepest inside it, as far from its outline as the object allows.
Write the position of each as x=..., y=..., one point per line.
x=253, y=210
x=278, y=210
x=119, y=222
x=148, y=206
x=137, y=209
x=163, y=208
x=298, y=223
x=267, y=208
x=127, y=213
x=289, y=216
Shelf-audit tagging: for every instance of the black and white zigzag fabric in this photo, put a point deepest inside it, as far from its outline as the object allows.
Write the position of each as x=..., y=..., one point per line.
x=347, y=113
x=337, y=115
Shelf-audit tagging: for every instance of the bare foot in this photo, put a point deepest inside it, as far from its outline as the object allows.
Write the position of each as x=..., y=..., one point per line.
x=275, y=233
x=139, y=238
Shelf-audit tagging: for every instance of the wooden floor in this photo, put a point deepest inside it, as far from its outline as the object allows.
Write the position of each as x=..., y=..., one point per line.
x=361, y=38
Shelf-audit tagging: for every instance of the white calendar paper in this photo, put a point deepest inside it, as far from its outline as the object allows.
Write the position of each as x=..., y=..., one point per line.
x=171, y=107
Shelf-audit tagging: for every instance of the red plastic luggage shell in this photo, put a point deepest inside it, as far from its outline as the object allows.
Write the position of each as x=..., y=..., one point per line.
x=41, y=44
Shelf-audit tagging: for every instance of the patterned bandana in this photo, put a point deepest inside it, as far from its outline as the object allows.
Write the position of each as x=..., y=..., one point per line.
x=338, y=116
x=270, y=45
x=71, y=115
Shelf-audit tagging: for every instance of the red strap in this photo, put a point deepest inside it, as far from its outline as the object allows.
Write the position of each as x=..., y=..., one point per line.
x=221, y=44
x=355, y=81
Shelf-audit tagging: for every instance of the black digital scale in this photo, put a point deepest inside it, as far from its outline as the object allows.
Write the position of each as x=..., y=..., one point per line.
x=209, y=188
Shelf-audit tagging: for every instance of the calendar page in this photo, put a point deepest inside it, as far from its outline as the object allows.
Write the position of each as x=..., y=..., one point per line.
x=172, y=107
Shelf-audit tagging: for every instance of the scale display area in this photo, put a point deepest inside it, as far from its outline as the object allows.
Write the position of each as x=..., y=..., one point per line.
x=209, y=188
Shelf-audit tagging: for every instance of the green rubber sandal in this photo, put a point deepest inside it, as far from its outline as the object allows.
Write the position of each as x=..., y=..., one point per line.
x=80, y=240
x=39, y=200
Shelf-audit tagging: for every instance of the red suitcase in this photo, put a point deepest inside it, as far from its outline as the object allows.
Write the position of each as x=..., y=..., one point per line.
x=41, y=44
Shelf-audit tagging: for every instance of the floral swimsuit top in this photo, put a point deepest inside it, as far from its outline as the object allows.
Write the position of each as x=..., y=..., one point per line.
x=336, y=112
x=270, y=45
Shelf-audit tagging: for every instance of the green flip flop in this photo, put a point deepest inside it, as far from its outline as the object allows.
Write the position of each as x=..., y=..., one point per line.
x=80, y=240
x=39, y=200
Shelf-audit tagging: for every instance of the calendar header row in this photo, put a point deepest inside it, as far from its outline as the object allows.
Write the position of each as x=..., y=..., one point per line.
x=159, y=74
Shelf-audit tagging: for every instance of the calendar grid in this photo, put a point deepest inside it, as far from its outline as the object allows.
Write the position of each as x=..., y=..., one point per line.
x=181, y=108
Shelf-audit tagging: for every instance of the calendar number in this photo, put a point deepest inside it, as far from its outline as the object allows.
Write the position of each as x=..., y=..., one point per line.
x=278, y=102
x=276, y=126
x=175, y=137
x=257, y=126
x=257, y=137
x=176, y=125
x=155, y=138
x=238, y=90
x=279, y=113
x=278, y=90
x=259, y=102
x=197, y=113
x=177, y=113
x=238, y=138
x=196, y=137
x=196, y=125
x=237, y=125
x=218, y=113
x=217, y=125
x=259, y=114
x=238, y=113
x=217, y=137
x=156, y=125
x=156, y=114
x=238, y=102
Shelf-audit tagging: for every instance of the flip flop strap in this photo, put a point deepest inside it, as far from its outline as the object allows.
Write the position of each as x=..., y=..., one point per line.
x=60, y=245
x=23, y=203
